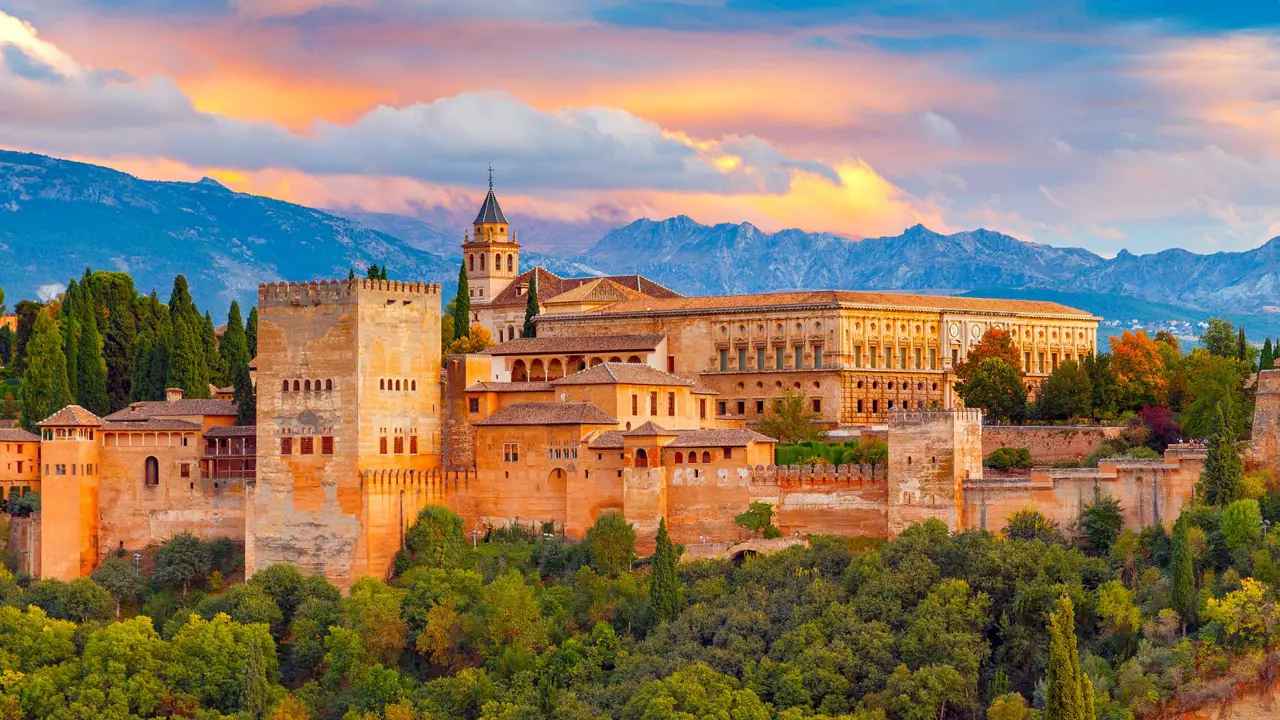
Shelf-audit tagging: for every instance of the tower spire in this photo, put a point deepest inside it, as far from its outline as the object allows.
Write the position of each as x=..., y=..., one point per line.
x=490, y=177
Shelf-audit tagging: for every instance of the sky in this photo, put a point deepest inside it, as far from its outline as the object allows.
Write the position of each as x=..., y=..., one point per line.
x=1102, y=124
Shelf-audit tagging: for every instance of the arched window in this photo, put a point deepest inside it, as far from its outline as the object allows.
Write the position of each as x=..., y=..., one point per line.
x=471, y=262
x=382, y=384
x=481, y=262
x=285, y=388
x=499, y=334
x=497, y=261
x=414, y=384
x=511, y=264
x=693, y=457
x=306, y=386
x=706, y=457
x=397, y=385
x=511, y=333
x=317, y=385
x=633, y=359
x=152, y=471
x=297, y=386
x=642, y=458
x=679, y=457
x=328, y=385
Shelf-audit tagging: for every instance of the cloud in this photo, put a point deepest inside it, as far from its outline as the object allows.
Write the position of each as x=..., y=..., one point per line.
x=940, y=130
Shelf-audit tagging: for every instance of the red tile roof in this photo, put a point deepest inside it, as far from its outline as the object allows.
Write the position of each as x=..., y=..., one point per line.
x=550, y=413
x=577, y=345
x=611, y=373
x=186, y=407
x=719, y=438
x=649, y=429
x=608, y=440
x=71, y=416
x=153, y=424
x=501, y=387
x=232, y=431
x=831, y=298
x=551, y=285
x=11, y=434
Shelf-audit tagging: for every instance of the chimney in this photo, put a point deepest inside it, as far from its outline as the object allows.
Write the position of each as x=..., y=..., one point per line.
x=172, y=394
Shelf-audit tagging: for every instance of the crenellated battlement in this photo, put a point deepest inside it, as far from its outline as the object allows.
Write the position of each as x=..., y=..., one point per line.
x=385, y=480
x=317, y=292
x=792, y=477
x=908, y=418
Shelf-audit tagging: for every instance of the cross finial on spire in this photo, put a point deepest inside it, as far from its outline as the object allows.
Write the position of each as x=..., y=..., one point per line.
x=490, y=177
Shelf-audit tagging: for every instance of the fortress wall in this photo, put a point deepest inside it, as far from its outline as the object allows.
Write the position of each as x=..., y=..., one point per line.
x=1048, y=443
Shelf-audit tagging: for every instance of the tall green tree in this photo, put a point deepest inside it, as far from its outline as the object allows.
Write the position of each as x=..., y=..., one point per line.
x=69, y=323
x=217, y=369
x=251, y=333
x=188, y=367
x=531, y=310
x=6, y=345
x=26, y=310
x=1242, y=347
x=1268, y=359
x=1222, y=478
x=1065, y=682
x=462, y=306
x=91, y=366
x=1183, y=594
x=790, y=420
x=44, y=383
x=246, y=397
x=116, y=310
x=1066, y=393
x=995, y=387
x=1219, y=338
x=435, y=538
x=612, y=542
x=664, y=584
x=234, y=345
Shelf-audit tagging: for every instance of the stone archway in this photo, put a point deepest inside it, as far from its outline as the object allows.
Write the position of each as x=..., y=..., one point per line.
x=519, y=373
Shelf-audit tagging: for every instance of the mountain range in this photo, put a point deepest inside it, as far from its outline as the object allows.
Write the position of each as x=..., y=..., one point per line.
x=58, y=216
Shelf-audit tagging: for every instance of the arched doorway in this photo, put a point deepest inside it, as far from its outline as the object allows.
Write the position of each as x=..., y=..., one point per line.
x=555, y=370
x=536, y=372
x=518, y=372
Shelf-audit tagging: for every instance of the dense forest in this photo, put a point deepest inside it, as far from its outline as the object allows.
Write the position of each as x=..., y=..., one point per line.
x=1066, y=623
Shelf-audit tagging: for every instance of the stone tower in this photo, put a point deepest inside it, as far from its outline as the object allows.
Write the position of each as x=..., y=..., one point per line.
x=491, y=253
x=348, y=384
x=931, y=455
x=1265, y=450
x=71, y=458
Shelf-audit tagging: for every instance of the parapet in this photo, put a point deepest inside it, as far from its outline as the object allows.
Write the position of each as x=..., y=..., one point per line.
x=792, y=476
x=318, y=292
x=908, y=418
x=1268, y=382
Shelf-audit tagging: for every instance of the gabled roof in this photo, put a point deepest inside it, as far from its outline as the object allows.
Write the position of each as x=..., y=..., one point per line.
x=11, y=434
x=186, y=407
x=71, y=416
x=649, y=429
x=490, y=212
x=612, y=373
x=740, y=437
x=552, y=286
x=550, y=413
x=577, y=345
x=499, y=387
x=608, y=440
x=599, y=290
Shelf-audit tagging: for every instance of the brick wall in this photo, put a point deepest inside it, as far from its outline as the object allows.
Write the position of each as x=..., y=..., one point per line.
x=1048, y=443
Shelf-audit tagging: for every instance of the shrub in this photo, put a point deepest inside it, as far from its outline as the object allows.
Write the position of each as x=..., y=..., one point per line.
x=1009, y=458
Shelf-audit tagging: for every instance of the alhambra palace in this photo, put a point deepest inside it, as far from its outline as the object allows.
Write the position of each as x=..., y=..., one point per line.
x=631, y=398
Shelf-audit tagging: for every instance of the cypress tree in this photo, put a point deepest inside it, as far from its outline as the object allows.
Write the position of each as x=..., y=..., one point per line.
x=1086, y=693
x=373, y=273
x=71, y=336
x=234, y=346
x=245, y=396
x=44, y=383
x=1242, y=347
x=1222, y=478
x=188, y=368
x=217, y=370
x=251, y=333
x=462, y=306
x=1063, y=697
x=6, y=345
x=116, y=307
x=531, y=308
x=1267, y=360
x=664, y=585
x=1186, y=601
x=180, y=304
x=255, y=689
x=91, y=367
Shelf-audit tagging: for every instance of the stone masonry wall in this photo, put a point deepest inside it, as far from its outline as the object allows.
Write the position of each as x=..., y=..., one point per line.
x=1048, y=443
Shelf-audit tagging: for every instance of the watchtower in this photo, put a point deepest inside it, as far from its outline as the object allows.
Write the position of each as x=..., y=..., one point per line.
x=931, y=455
x=491, y=253
x=71, y=457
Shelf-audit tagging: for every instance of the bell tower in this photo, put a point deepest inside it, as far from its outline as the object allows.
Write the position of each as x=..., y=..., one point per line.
x=490, y=251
